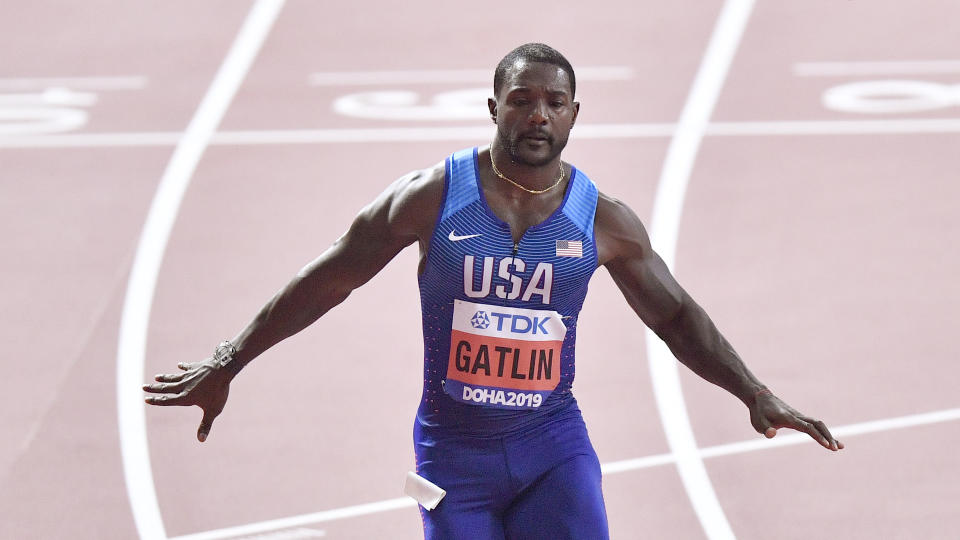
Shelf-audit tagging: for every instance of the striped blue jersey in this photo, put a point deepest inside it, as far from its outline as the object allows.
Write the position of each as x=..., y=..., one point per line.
x=499, y=319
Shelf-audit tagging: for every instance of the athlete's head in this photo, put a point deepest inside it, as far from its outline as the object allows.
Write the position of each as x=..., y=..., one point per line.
x=533, y=52
x=533, y=104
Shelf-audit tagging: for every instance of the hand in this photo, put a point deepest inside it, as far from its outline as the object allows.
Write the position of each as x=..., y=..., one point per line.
x=769, y=413
x=201, y=384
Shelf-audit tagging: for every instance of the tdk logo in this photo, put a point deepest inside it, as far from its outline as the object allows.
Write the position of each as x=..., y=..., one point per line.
x=480, y=320
x=519, y=324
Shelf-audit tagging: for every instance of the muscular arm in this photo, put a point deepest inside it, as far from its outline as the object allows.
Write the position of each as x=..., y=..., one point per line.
x=653, y=293
x=401, y=215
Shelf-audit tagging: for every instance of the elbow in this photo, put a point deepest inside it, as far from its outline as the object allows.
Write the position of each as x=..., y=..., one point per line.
x=669, y=326
x=687, y=331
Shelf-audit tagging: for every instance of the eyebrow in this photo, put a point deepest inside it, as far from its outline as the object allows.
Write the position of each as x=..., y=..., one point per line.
x=525, y=89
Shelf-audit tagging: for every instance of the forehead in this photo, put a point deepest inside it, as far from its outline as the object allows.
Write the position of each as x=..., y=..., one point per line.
x=525, y=74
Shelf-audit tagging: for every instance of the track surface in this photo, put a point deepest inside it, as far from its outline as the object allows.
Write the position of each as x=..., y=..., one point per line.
x=818, y=229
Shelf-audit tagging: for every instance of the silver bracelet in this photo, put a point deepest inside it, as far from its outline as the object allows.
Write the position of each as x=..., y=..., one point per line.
x=223, y=354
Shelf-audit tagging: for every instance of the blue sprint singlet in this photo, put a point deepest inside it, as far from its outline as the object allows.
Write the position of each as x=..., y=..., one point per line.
x=499, y=319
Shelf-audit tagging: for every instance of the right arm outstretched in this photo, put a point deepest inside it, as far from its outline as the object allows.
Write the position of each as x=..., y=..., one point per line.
x=403, y=214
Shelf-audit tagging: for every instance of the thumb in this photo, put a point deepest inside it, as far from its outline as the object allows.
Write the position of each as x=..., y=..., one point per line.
x=762, y=425
x=205, y=424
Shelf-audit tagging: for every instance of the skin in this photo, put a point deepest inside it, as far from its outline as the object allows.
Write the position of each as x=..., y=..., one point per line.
x=534, y=112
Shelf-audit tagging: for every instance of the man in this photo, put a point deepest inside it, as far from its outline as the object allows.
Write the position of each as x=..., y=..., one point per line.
x=509, y=236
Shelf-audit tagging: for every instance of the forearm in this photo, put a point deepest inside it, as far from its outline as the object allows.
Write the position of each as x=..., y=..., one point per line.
x=699, y=345
x=316, y=289
x=400, y=216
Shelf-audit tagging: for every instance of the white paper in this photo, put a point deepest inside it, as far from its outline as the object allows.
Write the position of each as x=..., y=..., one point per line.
x=422, y=490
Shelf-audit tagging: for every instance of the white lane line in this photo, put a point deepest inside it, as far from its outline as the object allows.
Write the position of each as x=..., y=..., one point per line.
x=91, y=140
x=131, y=82
x=468, y=133
x=412, y=134
x=836, y=127
x=306, y=519
x=664, y=230
x=843, y=69
x=427, y=76
x=290, y=534
x=609, y=468
x=135, y=319
x=840, y=432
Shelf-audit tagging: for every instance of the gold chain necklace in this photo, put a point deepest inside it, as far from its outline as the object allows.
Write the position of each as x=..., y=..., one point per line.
x=528, y=190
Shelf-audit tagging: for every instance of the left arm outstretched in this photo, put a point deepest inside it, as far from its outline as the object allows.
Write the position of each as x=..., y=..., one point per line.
x=653, y=293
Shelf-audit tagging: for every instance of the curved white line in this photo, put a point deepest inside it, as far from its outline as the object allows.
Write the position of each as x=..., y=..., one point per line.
x=664, y=227
x=609, y=468
x=131, y=349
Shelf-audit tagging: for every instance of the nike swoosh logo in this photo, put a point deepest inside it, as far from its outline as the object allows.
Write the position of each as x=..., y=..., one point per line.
x=454, y=238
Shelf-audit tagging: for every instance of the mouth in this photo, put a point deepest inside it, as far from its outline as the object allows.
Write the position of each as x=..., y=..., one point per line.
x=536, y=138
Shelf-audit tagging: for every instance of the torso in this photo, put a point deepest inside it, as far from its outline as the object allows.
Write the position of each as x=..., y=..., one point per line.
x=502, y=284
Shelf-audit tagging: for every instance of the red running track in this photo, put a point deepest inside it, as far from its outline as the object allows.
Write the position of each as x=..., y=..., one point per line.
x=817, y=230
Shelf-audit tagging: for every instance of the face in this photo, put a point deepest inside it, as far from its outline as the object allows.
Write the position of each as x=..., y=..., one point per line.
x=534, y=112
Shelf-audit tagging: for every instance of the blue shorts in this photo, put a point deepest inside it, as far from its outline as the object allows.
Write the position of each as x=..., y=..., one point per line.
x=542, y=483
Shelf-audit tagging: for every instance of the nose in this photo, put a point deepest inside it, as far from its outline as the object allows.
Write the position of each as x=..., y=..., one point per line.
x=538, y=115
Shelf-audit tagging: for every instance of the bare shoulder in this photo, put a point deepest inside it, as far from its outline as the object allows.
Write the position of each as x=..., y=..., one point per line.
x=412, y=202
x=619, y=231
x=421, y=184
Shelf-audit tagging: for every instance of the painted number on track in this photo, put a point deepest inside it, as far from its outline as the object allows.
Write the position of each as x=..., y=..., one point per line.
x=468, y=104
x=891, y=96
x=53, y=110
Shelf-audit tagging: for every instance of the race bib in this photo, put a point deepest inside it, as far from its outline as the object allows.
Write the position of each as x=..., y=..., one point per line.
x=503, y=357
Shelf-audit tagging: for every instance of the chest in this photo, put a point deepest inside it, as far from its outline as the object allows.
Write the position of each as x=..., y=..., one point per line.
x=521, y=213
x=476, y=257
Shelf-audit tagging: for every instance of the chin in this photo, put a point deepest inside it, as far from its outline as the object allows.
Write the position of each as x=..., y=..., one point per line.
x=535, y=157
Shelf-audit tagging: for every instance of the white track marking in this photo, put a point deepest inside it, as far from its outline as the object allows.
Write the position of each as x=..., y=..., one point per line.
x=622, y=131
x=584, y=131
x=634, y=464
x=836, y=127
x=146, y=265
x=840, y=432
x=890, y=96
x=77, y=83
x=665, y=224
x=847, y=69
x=610, y=468
x=290, y=534
x=92, y=140
x=306, y=519
x=431, y=76
x=413, y=134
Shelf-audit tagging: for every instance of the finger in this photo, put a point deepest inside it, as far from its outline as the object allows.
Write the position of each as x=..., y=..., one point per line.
x=163, y=388
x=809, y=429
x=205, y=424
x=822, y=428
x=770, y=432
x=169, y=377
x=185, y=365
x=165, y=400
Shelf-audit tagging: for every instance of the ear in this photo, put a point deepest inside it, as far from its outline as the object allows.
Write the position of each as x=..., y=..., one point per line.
x=576, y=111
x=492, y=106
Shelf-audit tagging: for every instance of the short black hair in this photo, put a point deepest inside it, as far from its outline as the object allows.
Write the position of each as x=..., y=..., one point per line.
x=533, y=52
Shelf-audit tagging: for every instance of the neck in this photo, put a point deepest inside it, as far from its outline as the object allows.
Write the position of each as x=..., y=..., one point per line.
x=534, y=177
